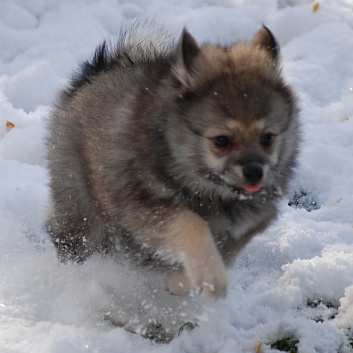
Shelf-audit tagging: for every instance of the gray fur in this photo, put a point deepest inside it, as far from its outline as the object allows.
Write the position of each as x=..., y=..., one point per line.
x=129, y=149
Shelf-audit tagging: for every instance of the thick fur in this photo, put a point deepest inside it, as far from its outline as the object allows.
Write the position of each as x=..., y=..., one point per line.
x=173, y=155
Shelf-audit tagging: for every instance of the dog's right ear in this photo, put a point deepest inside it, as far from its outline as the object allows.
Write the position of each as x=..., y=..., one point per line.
x=187, y=53
x=188, y=50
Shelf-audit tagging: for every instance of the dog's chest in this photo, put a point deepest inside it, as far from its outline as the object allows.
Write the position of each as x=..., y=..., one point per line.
x=232, y=219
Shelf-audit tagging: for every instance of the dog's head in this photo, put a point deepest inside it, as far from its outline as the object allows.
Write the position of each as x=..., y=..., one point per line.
x=234, y=126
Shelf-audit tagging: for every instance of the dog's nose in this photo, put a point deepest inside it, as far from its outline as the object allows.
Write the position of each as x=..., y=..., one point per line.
x=253, y=173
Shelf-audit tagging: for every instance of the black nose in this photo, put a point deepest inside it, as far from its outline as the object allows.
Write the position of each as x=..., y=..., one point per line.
x=253, y=173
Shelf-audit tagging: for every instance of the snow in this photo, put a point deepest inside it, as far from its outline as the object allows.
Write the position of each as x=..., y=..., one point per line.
x=303, y=258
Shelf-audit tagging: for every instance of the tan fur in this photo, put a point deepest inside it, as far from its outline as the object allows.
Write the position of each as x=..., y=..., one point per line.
x=214, y=62
x=178, y=283
x=190, y=237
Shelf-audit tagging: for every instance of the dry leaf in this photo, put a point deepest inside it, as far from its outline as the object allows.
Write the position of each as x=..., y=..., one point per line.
x=316, y=7
x=9, y=125
x=258, y=348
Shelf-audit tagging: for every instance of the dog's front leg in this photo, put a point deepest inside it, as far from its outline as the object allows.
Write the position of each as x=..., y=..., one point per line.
x=189, y=237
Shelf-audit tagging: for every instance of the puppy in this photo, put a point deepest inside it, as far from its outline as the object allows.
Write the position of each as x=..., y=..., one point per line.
x=171, y=156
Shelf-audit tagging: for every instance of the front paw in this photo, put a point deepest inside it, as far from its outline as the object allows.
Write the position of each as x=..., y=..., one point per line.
x=212, y=285
x=210, y=276
x=178, y=283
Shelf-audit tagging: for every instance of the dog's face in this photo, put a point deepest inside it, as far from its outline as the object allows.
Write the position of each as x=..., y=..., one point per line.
x=241, y=131
x=238, y=128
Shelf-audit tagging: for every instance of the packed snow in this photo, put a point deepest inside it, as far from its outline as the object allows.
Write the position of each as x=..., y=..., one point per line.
x=293, y=281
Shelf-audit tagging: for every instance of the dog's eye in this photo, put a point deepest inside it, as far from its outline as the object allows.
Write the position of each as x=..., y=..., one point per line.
x=222, y=141
x=267, y=140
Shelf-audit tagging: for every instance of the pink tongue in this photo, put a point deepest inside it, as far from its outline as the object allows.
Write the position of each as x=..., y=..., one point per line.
x=252, y=188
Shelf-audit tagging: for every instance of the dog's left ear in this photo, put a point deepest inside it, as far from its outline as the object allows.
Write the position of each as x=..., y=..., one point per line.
x=266, y=40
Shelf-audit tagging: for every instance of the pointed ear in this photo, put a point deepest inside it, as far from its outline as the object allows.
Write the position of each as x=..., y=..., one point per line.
x=187, y=52
x=265, y=39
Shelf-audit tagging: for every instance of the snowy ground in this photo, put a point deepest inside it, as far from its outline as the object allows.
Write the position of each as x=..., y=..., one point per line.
x=293, y=281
